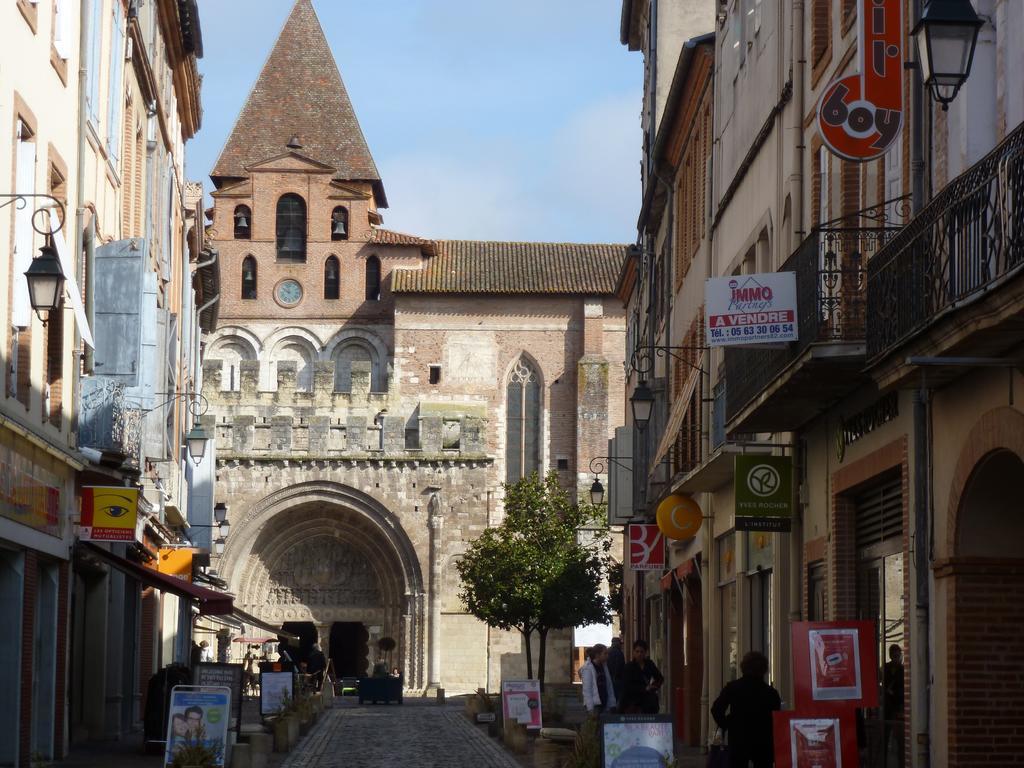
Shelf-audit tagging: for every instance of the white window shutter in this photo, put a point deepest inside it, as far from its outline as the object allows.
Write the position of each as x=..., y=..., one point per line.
x=25, y=183
x=62, y=28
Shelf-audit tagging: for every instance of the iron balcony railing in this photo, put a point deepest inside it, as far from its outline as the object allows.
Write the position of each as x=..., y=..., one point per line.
x=967, y=240
x=831, y=297
x=107, y=422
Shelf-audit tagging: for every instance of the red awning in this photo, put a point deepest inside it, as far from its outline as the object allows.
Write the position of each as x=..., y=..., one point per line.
x=211, y=602
x=684, y=569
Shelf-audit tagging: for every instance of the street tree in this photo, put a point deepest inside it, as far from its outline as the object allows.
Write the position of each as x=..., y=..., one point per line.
x=541, y=568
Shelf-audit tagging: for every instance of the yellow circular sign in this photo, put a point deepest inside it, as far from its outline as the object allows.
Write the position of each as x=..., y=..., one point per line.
x=679, y=517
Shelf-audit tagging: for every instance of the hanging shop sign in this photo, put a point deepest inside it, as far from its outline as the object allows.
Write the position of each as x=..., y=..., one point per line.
x=175, y=562
x=764, y=493
x=28, y=500
x=637, y=741
x=679, y=517
x=835, y=663
x=860, y=115
x=646, y=547
x=812, y=741
x=211, y=673
x=520, y=702
x=750, y=309
x=109, y=513
x=198, y=716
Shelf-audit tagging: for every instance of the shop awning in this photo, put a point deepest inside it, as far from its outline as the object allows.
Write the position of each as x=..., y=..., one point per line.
x=675, y=419
x=681, y=571
x=251, y=620
x=211, y=602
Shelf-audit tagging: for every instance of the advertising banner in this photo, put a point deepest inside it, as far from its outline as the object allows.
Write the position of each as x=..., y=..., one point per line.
x=808, y=741
x=679, y=517
x=860, y=115
x=764, y=492
x=109, y=513
x=835, y=663
x=646, y=547
x=637, y=741
x=275, y=688
x=25, y=498
x=520, y=701
x=750, y=309
x=198, y=717
x=175, y=562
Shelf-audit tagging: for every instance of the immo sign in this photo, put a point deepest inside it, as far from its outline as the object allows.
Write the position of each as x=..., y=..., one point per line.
x=750, y=309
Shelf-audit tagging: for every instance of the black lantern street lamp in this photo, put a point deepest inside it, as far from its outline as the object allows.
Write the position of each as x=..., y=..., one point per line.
x=596, y=493
x=45, y=282
x=946, y=36
x=220, y=512
x=642, y=402
x=196, y=440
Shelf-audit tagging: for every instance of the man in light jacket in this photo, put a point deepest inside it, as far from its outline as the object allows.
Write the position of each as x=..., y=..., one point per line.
x=598, y=688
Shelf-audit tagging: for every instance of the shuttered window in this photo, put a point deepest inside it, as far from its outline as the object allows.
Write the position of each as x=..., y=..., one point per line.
x=879, y=518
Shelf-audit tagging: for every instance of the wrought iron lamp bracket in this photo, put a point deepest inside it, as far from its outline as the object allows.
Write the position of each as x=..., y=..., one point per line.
x=21, y=201
x=643, y=359
x=197, y=404
x=600, y=464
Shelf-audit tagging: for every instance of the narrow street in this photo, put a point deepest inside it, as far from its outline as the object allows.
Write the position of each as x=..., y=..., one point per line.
x=417, y=733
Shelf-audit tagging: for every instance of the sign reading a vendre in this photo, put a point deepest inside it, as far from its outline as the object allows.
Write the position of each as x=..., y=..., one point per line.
x=750, y=309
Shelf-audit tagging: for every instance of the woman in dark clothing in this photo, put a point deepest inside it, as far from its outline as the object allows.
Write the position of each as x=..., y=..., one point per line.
x=744, y=711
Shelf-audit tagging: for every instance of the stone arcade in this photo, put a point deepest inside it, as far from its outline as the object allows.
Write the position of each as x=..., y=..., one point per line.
x=370, y=391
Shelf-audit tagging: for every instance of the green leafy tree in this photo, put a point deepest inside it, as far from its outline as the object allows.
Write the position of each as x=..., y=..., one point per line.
x=541, y=569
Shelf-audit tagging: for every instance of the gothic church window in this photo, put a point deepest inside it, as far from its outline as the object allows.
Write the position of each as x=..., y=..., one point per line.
x=291, y=228
x=373, y=279
x=522, y=451
x=249, y=278
x=332, y=278
x=339, y=223
x=243, y=222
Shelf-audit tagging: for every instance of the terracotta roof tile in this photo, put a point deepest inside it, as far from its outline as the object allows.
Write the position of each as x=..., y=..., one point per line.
x=390, y=237
x=300, y=93
x=472, y=266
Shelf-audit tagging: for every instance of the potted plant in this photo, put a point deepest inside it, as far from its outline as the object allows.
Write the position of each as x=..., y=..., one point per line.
x=386, y=645
x=195, y=752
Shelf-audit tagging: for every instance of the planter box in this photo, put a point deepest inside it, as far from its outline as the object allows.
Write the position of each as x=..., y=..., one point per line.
x=380, y=689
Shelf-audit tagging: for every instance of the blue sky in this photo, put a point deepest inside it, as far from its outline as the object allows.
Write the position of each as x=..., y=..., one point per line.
x=487, y=119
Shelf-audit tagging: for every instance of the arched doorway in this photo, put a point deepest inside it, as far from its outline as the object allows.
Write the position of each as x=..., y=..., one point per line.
x=986, y=650
x=331, y=565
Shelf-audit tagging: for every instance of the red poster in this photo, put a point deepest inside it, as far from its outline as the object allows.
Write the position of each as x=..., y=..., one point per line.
x=860, y=115
x=646, y=548
x=807, y=741
x=835, y=663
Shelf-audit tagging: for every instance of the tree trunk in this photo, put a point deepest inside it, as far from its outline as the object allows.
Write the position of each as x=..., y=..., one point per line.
x=542, y=656
x=529, y=652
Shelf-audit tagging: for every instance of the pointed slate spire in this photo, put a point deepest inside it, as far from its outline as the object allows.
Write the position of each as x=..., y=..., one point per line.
x=300, y=94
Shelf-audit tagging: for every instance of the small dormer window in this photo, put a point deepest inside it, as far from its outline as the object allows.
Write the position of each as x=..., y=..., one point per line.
x=339, y=223
x=243, y=222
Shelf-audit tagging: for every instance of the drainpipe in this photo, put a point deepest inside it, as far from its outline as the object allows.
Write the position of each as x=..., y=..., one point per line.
x=79, y=234
x=916, y=122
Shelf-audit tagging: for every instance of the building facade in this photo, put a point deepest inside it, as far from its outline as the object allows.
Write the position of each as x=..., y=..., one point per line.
x=372, y=390
x=896, y=401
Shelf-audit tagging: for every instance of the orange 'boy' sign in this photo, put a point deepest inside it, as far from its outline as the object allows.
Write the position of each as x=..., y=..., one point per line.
x=860, y=115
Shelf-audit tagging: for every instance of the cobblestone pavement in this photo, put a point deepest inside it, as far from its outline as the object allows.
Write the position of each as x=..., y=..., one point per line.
x=415, y=734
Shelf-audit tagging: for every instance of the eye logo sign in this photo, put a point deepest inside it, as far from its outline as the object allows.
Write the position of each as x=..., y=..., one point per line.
x=860, y=115
x=109, y=513
x=763, y=480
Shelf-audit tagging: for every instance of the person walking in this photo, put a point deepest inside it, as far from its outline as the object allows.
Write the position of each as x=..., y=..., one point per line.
x=616, y=663
x=641, y=680
x=892, y=682
x=316, y=665
x=598, y=688
x=744, y=711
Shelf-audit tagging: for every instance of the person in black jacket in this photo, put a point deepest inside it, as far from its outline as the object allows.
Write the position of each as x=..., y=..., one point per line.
x=640, y=683
x=744, y=711
x=616, y=664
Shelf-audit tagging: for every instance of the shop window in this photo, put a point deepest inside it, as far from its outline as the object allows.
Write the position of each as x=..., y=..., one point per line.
x=816, y=592
x=729, y=637
x=759, y=574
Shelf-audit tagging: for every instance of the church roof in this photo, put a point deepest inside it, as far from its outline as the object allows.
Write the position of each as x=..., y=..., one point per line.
x=474, y=266
x=300, y=94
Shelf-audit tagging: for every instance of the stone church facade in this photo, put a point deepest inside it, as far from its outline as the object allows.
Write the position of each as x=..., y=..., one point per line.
x=370, y=391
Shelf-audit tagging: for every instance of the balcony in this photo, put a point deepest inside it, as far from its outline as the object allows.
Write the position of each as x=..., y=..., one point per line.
x=781, y=388
x=949, y=282
x=108, y=424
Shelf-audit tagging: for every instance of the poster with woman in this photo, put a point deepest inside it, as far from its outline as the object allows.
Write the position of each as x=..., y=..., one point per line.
x=197, y=722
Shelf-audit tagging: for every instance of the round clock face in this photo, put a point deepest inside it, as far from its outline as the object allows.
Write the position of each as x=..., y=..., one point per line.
x=288, y=293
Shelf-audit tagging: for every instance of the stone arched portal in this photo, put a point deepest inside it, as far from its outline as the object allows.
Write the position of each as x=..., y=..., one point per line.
x=326, y=553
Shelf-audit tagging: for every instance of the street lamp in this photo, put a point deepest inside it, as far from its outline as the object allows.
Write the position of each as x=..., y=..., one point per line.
x=225, y=529
x=218, y=546
x=220, y=512
x=596, y=492
x=946, y=36
x=45, y=282
x=196, y=440
x=642, y=401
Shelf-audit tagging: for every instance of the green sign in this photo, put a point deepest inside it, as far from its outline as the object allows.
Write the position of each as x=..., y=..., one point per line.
x=764, y=493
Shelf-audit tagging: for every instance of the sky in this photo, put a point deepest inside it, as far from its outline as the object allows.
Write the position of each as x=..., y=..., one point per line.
x=488, y=119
